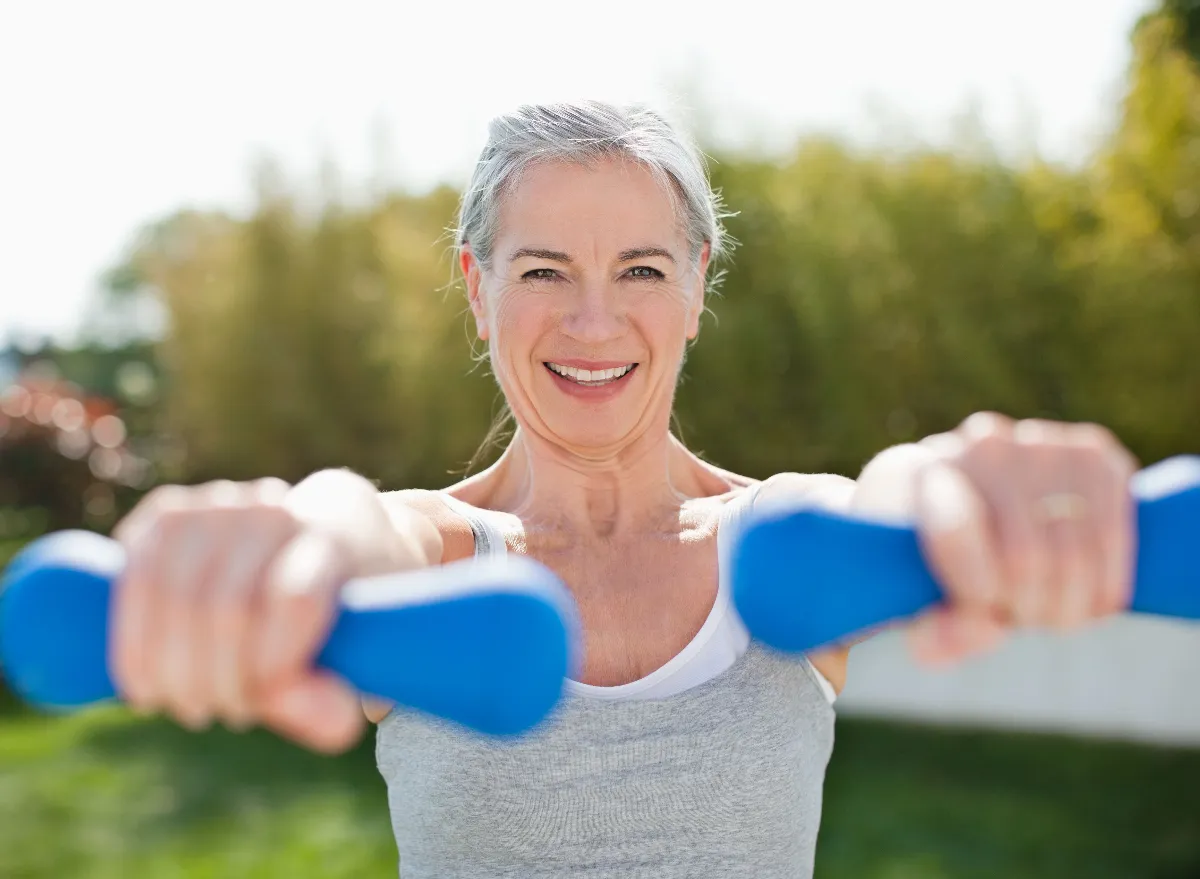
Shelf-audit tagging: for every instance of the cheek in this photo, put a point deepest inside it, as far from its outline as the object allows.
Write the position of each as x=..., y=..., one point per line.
x=665, y=320
x=518, y=321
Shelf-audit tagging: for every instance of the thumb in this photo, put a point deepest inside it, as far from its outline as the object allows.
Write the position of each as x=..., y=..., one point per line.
x=317, y=710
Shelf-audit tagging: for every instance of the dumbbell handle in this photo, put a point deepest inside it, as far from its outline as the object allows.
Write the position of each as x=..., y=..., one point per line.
x=487, y=644
x=804, y=579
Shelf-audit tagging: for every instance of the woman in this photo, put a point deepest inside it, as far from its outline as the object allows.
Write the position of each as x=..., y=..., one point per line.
x=586, y=241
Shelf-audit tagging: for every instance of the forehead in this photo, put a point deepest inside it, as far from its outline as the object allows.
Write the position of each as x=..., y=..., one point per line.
x=608, y=202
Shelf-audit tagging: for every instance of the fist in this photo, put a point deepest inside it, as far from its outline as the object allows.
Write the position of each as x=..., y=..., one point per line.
x=225, y=601
x=1027, y=523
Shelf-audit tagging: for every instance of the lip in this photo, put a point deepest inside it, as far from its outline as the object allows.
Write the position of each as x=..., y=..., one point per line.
x=590, y=393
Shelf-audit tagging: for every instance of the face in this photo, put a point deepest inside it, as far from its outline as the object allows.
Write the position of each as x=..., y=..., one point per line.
x=588, y=303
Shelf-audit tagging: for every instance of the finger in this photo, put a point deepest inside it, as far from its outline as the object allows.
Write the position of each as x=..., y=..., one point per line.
x=317, y=710
x=178, y=646
x=298, y=605
x=955, y=532
x=134, y=617
x=1029, y=548
x=1027, y=560
x=1116, y=521
x=145, y=515
x=946, y=635
x=135, y=597
x=270, y=490
x=1074, y=573
x=235, y=610
x=190, y=571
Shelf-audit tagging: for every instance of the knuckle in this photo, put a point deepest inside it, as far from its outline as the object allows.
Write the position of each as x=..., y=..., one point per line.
x=270, y=489
x=166, y=495
x=988, y=450
x=1038, y=433
x=986, y=424
x=223, y=493
x=1088, y=434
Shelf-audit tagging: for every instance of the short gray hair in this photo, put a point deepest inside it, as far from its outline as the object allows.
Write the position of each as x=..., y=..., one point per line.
x=583, y=132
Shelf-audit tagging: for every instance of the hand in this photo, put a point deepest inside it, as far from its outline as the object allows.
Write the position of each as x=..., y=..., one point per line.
x=1027, y=523
x=226, y=599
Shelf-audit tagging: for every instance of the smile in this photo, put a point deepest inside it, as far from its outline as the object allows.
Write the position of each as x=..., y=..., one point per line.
x=591, y=378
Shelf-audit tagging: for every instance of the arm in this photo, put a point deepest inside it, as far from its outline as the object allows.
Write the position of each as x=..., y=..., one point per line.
x=1027, y=523
x=395, y=531
x=382, y=532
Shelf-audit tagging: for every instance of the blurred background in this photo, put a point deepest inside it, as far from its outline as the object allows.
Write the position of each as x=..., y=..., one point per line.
x=225, y=254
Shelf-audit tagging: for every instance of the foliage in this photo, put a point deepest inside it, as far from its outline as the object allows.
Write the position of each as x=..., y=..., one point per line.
x=876, y=297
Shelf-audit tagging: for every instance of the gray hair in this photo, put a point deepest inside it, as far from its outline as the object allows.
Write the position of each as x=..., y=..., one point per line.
x=583, y=132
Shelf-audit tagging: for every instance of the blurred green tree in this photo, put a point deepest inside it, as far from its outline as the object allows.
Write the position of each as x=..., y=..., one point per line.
x=876, y=297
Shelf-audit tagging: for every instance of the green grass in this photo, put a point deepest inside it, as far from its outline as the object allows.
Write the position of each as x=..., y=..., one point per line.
x=105, y=794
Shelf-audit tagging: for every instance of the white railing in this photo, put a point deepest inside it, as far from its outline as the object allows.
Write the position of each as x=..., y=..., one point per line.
x=1134, y=678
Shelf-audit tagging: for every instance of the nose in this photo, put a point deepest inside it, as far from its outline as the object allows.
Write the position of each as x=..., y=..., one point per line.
x=596, y=314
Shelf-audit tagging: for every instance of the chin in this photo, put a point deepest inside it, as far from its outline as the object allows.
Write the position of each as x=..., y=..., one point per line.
x=591, y=436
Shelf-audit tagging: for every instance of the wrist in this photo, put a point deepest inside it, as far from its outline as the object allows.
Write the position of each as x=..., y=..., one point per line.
x=347, y=508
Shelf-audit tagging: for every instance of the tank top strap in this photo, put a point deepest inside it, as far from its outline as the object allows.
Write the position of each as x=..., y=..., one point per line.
x=489, y=540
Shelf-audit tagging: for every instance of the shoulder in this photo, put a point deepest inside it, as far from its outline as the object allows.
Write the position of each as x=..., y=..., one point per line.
x=828, y=490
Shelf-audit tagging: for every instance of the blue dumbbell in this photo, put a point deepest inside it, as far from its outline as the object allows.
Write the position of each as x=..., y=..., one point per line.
x=804, y=579
x=486, y=643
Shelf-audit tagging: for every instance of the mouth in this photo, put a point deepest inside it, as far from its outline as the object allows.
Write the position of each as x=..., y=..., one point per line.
x=595, y=378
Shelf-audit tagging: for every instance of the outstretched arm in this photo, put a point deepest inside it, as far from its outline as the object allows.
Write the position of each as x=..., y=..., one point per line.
x=1027, y=523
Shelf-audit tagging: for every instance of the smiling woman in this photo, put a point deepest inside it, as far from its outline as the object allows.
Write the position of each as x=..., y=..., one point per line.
x=602, y=253
x=682, y=748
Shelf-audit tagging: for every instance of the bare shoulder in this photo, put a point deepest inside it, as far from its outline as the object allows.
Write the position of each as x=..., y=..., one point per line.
x=827, y=490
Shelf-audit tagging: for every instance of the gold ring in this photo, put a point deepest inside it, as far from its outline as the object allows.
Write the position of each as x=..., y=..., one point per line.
x=1063, y=506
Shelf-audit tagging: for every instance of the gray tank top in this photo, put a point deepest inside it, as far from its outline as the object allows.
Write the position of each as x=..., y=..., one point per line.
x=722, y=779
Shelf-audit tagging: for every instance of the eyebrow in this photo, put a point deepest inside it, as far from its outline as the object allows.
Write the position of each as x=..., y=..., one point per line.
x=539, y=253
x=643, y=253
x=559, y=256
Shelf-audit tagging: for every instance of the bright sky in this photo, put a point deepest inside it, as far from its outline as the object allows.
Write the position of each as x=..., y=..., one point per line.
x=113, y=113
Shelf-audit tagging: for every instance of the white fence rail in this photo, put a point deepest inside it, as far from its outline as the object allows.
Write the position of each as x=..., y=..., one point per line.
x=1135, y=678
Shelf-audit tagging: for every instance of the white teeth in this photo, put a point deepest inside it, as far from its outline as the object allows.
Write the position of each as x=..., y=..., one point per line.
x=593, y=376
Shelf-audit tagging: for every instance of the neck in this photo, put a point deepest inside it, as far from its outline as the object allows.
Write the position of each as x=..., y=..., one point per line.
x=639, y=485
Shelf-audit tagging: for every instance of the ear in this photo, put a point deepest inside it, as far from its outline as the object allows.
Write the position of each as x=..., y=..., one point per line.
x=697, y=306
x=473, y=274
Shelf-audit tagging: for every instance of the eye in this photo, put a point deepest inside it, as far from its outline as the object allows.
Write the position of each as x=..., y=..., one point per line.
x=540, y=275
x=646, y=273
